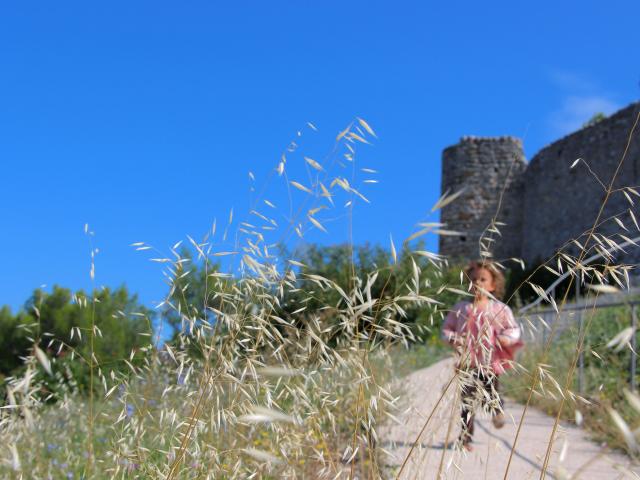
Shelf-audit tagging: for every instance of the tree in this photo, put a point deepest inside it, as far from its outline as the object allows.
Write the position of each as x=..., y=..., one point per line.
x=192, y=291
x=48, y=320
x=13, y=340
x=195, y=293
x=343, y=263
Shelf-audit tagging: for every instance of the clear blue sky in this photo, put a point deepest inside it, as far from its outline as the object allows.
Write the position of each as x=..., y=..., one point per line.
x=144, y=118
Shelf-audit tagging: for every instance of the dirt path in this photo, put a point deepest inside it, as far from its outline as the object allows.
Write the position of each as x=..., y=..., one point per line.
x=582, y=458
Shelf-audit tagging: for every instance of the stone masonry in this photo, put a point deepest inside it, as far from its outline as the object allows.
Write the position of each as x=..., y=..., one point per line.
x=545, y=203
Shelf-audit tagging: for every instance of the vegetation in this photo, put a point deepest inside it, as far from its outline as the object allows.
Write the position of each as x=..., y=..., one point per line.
x=595, y=118
x=606, y=374
x=56, y=323
x=280, y=364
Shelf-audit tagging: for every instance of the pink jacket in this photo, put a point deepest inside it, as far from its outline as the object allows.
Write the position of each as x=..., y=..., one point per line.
x=475, y=332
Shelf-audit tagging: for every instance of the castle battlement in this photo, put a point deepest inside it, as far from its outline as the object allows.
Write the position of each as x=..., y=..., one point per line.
x=544, y=203
x=502, y=139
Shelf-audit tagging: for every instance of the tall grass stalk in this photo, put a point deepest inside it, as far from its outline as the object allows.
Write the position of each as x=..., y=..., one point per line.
x=265, y=377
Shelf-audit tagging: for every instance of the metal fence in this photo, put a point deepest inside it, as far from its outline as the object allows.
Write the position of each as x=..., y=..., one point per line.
x=604, y=320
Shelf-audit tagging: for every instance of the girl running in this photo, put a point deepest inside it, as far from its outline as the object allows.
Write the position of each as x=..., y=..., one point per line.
x=486, y=338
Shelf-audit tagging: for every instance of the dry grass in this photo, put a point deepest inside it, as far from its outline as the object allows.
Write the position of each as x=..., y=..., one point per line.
x=246, y=391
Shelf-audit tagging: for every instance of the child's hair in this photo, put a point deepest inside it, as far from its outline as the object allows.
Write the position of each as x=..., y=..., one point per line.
x=498, y=277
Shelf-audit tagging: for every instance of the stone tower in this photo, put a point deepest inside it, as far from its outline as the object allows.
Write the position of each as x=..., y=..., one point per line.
x=483, y=167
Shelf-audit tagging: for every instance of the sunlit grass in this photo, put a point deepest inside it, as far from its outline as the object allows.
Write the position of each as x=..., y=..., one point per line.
x=275, y=371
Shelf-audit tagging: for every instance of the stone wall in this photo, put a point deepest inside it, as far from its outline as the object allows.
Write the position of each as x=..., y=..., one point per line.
x=561, y=203
x=545, y=204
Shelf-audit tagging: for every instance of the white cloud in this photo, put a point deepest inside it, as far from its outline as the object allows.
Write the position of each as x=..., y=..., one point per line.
x=578, y=109
x=581, y=98
x=572, y=81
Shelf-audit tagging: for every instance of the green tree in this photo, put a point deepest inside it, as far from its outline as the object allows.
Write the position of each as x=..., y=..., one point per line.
x=193, y=292
x=13, y=340
x=343, y=264
x=122, y=326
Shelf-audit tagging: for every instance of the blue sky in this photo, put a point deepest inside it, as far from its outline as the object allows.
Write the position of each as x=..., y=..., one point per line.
x=144, y=118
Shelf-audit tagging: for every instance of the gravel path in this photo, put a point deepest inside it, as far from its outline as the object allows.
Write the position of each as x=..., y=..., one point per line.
x=574, y=455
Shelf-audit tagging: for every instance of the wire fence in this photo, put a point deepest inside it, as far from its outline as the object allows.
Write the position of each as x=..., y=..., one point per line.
x=599, y=361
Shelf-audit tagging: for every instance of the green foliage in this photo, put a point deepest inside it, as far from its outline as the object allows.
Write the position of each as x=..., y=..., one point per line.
x=518, y=289
x=595, y=118
x=48, y=319
x=192, y=290
x=193, y=287
x=122, y=325
x=13, y=339
x=344, y=265
x=606, y=373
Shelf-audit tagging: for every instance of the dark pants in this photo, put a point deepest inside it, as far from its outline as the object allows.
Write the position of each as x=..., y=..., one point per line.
x=478, y=387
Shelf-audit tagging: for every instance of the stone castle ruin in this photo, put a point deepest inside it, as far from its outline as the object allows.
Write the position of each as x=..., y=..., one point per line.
x=545, y=203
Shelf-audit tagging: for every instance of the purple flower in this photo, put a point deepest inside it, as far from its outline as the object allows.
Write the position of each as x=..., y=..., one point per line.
x=130, y=410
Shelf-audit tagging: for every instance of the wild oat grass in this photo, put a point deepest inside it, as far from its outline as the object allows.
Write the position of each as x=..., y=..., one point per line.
x=256, y=384
x=249, y=387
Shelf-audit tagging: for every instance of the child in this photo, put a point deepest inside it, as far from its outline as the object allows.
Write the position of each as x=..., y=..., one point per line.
x=486, y=337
